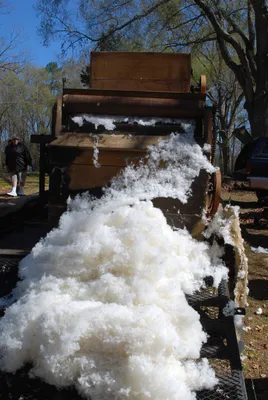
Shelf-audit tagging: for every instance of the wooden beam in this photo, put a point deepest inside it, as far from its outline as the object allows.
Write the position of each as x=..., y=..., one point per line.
x=14, y=252
x=58, y=117
x=141, y=71
x=42, y=170
x=135, y=93
x=208, y=125
x=203, y=84
x=42, y=139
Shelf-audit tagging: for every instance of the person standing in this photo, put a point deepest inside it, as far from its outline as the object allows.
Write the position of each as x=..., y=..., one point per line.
x=18, y=162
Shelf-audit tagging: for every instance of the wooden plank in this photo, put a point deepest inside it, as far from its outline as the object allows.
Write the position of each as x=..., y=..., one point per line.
x=42, y=139
x=88, y=176
x=135, y=93
x=14, y=252
x=142, y=84
x=58, y=124
x=105, y=141
x=141, y=71
x=203, y=84
x=208, y=126
x=69, y=155
x=187, y=106
x=42, y=168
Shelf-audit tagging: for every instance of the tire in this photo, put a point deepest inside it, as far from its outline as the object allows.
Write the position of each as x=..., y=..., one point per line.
x=262, y=196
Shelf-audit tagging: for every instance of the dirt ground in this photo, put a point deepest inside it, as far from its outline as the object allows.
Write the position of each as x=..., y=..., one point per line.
x=31, y=186
x=254, y=226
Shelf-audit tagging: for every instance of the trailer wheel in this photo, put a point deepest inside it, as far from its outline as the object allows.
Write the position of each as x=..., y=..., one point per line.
x=213, y=193
x=262, y=196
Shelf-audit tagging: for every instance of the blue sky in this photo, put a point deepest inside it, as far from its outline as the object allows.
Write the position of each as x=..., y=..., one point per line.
x=22, y=18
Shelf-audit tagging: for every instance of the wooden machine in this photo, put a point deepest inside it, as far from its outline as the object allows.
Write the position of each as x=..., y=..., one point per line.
x=129, y=85
x=86, y=156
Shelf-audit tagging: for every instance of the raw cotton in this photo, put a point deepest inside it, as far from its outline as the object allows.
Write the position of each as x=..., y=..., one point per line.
x=101, y=304
x=108, y=121
x=259, y=250
x=225, y=225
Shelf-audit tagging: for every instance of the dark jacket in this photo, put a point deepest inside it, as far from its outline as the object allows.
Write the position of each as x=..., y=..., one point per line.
x=17, y=157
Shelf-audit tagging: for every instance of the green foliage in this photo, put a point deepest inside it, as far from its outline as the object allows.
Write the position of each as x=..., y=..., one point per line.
x=29, y=97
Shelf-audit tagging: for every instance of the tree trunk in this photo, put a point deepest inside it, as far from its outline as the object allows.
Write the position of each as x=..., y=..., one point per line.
x=226, y=156
x=258, y=116
x=258, y=106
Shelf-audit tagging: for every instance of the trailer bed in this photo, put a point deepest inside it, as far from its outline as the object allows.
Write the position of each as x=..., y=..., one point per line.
x=221, y=348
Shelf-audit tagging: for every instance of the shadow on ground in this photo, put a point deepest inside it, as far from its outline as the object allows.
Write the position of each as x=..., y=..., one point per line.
x=258, y=288
x=253, y=239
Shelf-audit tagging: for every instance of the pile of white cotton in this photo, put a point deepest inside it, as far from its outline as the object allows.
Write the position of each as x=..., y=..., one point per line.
x=259, y=250
x=102, y=305
x=171, y=168
x=109, y=121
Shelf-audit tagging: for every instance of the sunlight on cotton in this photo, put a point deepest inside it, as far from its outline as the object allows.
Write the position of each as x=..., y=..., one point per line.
x=102, y=304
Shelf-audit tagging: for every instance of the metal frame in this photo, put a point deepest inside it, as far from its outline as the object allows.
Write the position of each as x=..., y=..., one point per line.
x=221, y=348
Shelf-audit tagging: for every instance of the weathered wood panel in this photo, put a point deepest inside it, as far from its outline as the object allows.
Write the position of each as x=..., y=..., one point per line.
x=184, y=105
x=105, y=141
x=14, y=252
x=134, y=93
x=58, y=123
x=190, y=213
x=140, y=71
x=88, y=176
x=69, y=155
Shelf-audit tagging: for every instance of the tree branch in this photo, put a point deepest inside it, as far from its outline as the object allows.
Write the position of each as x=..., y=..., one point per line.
x=243, y=74
x=248, y=43
x=234, y=109
x=251, y=30
x=135, y=18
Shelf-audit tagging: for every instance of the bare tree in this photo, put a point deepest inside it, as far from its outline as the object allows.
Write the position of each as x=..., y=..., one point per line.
x=239, y=27
x=12, y=56
x=225, y=95
x=243, y=44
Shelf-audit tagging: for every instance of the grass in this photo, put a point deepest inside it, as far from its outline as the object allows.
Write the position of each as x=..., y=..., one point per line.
x=31, y=185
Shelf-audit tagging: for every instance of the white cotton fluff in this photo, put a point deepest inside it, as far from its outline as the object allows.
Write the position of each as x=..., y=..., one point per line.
x=169, y=172
x=221, y=225
x=96, y=156
x=108, y=121
x=259, y=250
x=241, y=274
x=229, y=309
x=101, y=304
